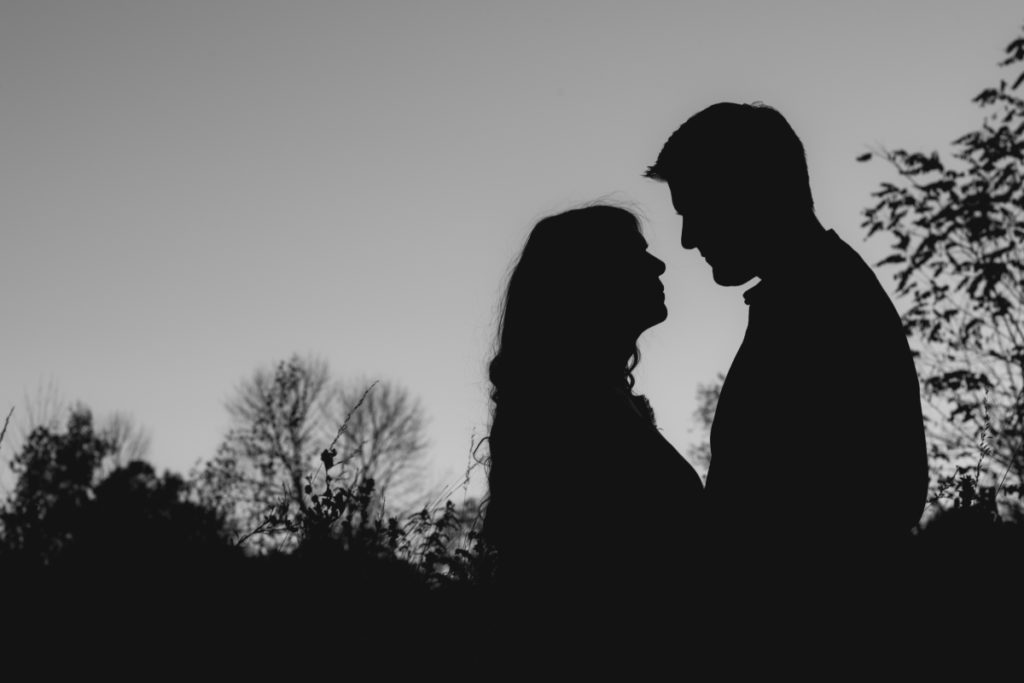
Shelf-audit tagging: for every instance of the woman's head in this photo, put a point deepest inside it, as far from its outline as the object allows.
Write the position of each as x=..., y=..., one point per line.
x=580, y=294
x=578, y=297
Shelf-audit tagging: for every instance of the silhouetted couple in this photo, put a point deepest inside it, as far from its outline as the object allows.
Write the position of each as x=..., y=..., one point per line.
x=818, y=467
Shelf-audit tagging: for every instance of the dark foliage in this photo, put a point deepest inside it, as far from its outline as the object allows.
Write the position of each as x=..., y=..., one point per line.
x=81, y=535
x=63, y=511
x=707, y=401
x=957, y=225
x=75, y=537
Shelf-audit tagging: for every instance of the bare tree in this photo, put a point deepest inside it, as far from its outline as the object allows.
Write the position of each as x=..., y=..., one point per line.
x=128, y=441
x=385, y=441
x=285, y=418
x=699, y=455
x=48, y=409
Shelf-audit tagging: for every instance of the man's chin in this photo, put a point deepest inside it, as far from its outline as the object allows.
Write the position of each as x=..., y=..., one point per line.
x=727, y=278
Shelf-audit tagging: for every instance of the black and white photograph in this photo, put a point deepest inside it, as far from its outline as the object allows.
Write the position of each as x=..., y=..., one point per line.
x=698, y=318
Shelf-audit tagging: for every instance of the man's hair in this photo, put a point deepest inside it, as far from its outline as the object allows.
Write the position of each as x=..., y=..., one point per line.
x=750, y=143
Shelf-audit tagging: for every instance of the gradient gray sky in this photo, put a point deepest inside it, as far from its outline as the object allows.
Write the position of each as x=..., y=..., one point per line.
x=192, y=189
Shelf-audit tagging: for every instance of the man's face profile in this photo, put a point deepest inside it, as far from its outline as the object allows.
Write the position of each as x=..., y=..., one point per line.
x=719, y=227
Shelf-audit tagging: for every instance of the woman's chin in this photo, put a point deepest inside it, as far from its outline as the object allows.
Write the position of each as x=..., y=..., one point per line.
x=661, y=314
x=658, y=316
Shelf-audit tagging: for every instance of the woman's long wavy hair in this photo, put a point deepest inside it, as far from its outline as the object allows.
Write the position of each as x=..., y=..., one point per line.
x=548, y=295
x=548, y=308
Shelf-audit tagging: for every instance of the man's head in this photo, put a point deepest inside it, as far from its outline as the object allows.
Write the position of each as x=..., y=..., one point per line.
x=738, y=175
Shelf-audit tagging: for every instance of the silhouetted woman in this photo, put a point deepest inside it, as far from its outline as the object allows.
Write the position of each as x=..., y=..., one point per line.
x=587, y=499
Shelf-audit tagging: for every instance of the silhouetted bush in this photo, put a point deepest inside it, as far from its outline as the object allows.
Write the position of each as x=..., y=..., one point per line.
x=64, y=512
x=957, y=249
x=72, y=535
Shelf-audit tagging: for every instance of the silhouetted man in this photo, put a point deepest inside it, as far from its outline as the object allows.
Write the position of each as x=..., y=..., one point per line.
x=817, y=446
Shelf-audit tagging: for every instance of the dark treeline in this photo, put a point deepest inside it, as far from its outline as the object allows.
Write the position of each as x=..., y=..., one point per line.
x=127, y=539
x=86, y=524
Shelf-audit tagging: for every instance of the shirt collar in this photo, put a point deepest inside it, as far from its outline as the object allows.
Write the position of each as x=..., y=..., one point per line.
x=754, y=293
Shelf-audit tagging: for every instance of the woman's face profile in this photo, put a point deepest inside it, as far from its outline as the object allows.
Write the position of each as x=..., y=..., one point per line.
x=646, y=269
x=629, y=284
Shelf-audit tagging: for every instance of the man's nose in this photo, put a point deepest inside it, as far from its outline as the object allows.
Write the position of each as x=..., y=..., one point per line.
x=688, y=238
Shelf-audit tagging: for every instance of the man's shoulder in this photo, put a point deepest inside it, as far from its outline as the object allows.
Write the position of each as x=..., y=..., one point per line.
x=856, y=305
x=837, y=253
x=847, y=277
